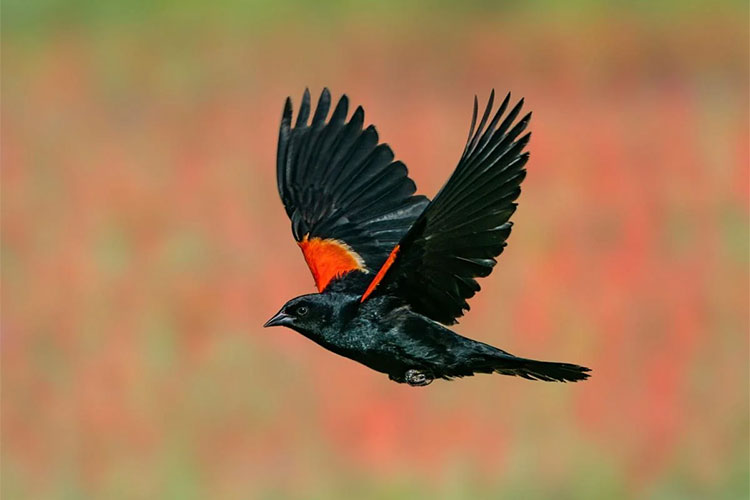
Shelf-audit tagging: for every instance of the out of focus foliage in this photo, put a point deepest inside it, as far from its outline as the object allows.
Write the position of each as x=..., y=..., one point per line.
x=143, y=245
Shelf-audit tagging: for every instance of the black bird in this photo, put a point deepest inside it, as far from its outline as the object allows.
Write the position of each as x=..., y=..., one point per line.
x=392, y=267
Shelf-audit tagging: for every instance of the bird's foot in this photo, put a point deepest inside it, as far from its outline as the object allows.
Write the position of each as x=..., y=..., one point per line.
x=418, y=378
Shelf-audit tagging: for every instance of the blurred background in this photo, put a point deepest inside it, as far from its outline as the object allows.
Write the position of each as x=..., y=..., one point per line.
x=144, y=245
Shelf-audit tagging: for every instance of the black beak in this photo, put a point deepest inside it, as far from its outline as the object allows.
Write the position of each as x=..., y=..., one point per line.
x=280, y=319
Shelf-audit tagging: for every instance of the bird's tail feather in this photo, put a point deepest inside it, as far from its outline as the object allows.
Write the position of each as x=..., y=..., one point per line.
x=540, y=370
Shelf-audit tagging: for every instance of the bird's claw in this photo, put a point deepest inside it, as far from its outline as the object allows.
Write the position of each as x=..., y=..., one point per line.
x=418, y=378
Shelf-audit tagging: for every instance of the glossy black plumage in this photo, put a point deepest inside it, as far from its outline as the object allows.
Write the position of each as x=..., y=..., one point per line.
x=337, y=181
x=463, y=230
x=421, y=259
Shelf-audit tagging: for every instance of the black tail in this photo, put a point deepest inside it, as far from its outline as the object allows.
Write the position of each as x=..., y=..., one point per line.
x=472, y=357
x=540, y=370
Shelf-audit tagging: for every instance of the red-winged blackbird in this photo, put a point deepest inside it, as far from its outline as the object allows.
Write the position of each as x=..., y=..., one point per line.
x=391, y=266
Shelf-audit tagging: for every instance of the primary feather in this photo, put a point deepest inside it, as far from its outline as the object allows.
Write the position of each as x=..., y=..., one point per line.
x=462, y=231
x=338, y=183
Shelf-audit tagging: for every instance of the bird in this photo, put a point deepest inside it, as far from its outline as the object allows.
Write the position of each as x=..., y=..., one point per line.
x=393, y=269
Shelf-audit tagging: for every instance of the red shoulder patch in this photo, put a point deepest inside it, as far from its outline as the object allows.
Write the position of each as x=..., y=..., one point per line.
x=329, y=259
x=379, y=277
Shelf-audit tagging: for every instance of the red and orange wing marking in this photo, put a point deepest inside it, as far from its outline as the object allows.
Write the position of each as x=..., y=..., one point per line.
x=329, y=259
x=379, y=277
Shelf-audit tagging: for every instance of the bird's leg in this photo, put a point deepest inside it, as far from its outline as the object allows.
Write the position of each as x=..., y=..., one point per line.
x=418, y=378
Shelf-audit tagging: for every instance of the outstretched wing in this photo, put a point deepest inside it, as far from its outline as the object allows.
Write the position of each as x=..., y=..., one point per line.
x=348, y=201
x=465, y=227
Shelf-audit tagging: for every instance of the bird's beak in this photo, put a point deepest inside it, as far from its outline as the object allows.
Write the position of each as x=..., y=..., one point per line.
x=280, y=319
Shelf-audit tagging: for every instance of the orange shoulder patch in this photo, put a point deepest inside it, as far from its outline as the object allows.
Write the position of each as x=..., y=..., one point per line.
x=379, y=277
x=329, y=259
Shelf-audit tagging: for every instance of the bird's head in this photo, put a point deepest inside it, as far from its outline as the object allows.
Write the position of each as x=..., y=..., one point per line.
x=307, y=314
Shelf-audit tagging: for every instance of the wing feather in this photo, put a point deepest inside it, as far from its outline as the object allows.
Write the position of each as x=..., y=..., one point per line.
x=458, y=237
x=348, y=200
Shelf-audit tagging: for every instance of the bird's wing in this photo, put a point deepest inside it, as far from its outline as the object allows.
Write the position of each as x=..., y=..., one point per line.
x=461, y=232
x=348, y=201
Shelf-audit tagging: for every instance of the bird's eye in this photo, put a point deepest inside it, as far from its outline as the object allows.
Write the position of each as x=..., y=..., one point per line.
x=301, y=311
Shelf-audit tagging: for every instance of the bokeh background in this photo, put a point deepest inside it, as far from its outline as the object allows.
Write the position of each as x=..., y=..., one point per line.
x=144, y=245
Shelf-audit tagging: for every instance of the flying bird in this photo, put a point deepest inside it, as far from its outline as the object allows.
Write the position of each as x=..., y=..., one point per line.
x=394, y=269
